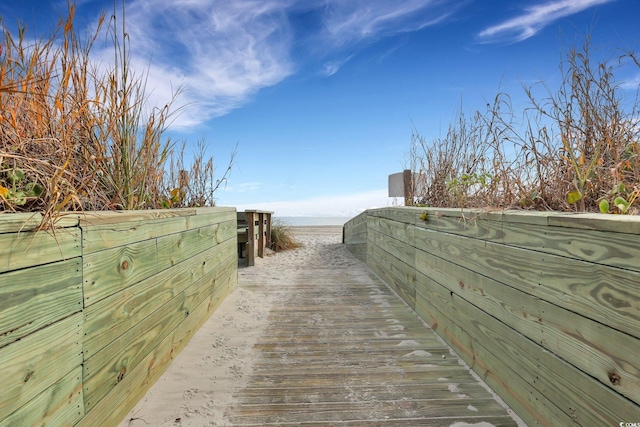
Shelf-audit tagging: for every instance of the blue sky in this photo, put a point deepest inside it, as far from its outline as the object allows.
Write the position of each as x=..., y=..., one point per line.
x=322, y=96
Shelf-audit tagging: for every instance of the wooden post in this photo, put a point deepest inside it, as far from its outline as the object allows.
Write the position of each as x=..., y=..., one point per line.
x=268, y=229
x=408, y=187
x=261, y=235
x=251, y=239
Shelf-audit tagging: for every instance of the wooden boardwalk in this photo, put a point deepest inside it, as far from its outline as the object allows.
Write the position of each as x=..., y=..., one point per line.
x=341, y=349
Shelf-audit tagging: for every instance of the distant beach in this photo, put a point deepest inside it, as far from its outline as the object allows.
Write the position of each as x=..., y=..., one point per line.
x=296, y=221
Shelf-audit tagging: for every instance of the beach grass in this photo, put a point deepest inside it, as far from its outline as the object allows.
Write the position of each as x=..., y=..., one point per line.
x=282, y=236
x=79, y=135
x=576, y=149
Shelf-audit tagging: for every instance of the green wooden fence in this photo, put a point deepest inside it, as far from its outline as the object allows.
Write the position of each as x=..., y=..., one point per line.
x=545, y=307
x=92, y=314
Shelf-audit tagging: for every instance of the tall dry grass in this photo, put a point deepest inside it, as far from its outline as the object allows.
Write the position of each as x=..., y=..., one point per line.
x=575, y=149
x=78, y=136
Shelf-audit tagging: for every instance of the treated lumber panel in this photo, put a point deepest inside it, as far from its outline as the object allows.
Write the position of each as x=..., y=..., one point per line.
x=606, y=294
x=607, y=248
x=358, y=219
x=358, y=250
x=34, y=363
x=18, y=222
x=104, y=370
x=400, y=276
x=471, y=215
x=209, y=216
x=404, y=273
x=101, y=236
x=116, y=404
x=592, y=347
x=520, y=370
x=59, y=405
x=395, y=247
x=210, y=284
x=111, y=364
x=185, y=330
x=28, y=249
x=102, y=218
x=597, y=221
x=396, y=230
x=405, y=215
x=177, y=247
x=106, y=272
x=33, y=298
x=109, y=318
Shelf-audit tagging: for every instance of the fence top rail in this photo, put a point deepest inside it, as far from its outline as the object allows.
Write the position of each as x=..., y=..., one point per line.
x=28, y=221
x=629, y=224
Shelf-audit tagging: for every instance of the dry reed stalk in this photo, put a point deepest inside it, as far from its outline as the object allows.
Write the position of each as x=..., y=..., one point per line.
x=74, y=136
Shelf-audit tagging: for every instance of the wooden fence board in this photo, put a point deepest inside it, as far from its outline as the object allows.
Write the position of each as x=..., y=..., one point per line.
x=105, y=236
x=116, y=404
x=174, y=248
x=205, y=288
x=104, y=370
x=59, y=405
x=400, y=276
x=112, y=316
x=396, y=248
x=105, y=218
x=606, y=248
x=109, y=271
x=394, y=229
x=185, y=330
x=100, y=235
x=606, y=294
x=19, y=222
x=572, y=337
x=31, y=365
x=205, y=217
x=26, y=249
x=596, y=221
x=33, y=298
x=501, y=349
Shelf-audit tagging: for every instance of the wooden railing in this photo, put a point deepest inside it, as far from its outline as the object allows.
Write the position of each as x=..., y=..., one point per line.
x=254, y=234
x=545, y=307
x=92, y=314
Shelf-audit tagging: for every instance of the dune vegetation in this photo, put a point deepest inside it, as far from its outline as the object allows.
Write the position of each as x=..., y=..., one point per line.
x=282, y=236
x=77, y=134
x=573, y=149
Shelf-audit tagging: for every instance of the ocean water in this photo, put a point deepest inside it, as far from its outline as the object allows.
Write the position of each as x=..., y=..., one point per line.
x=312, y=220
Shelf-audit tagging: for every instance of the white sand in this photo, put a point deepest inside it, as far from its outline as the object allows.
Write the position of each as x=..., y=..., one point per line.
x=197, y=389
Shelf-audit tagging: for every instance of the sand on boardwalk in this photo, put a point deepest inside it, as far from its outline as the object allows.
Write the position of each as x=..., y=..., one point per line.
x=197, y=389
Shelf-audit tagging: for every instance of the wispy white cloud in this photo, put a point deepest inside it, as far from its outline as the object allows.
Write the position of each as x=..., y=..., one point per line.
x=332, y=67
x=534, y=19
x=221, y=53
x=243, y=187
x=349, y=22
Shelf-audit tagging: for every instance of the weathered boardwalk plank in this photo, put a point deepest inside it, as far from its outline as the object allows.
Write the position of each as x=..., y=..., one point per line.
x=341, y=348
